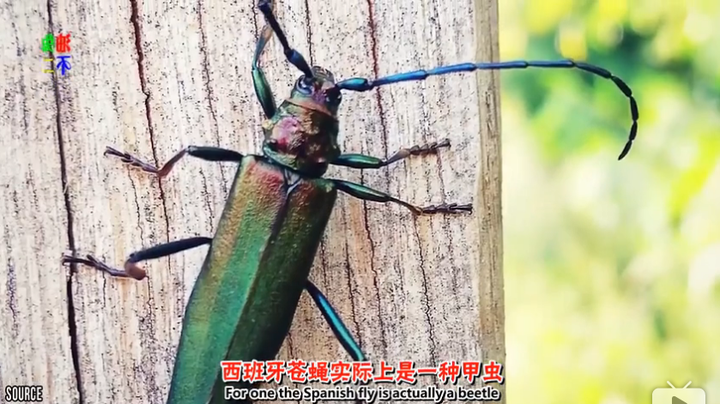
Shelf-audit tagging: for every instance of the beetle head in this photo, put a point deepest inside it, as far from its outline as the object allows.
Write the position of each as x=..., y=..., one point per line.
x=318, y=92
x=303, y=134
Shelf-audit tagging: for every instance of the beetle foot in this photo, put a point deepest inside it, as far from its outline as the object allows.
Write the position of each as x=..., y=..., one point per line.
x=447, y=208
x=417, y=150
x=131, y=160
x=90, y=261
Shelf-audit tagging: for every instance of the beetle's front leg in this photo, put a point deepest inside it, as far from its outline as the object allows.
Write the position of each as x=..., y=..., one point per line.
x=201, y=152
x=363, y=161
x=369, y=194
x=262, y=88
x=131, y=270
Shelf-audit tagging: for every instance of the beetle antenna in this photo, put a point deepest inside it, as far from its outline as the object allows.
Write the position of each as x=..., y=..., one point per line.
x=293, y=56
x=363, y=84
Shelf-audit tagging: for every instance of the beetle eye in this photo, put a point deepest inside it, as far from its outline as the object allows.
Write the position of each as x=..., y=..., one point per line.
x=333, y=97
x=304, y=84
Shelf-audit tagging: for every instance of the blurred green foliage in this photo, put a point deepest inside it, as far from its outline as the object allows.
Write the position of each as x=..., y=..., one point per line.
x=612, y=268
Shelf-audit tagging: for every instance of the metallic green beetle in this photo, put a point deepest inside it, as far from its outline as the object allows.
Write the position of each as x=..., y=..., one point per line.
x=258, y=264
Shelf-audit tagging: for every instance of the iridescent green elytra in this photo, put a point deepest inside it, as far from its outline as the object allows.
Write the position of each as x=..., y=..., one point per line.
x=258, y=264
x=244, y=300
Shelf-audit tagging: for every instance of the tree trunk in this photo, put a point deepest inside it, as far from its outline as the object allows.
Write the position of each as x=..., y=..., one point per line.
x=150, y=78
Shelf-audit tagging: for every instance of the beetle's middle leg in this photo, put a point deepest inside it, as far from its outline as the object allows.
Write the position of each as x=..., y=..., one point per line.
x=131, y=270
x=363, y=161
x=201, y=152
x=369, y=194
x=335, y=322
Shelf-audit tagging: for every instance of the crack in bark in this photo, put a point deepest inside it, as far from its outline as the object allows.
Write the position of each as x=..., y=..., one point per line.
x=206, y=196
x=376, y=70
x=11, y=275
x=137, y=204
x=445, y=218
x=148, y=116
x=72, y=327
x=206, y=79
x=426, y=294
x=374, y=270
x=309, y=30
x=383, y=137
x=451, y=243
x=148, y=330
x=351, y=293
x=11, y=282
x=323, y=260
x=291, y=349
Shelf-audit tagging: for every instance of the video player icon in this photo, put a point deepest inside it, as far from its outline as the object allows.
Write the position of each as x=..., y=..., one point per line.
x=678, y=396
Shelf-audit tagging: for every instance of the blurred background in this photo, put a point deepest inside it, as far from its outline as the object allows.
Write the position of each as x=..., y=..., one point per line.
x=612, y=268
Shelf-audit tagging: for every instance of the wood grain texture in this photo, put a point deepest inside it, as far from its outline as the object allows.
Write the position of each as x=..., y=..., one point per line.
x=488, y=217
x=152, y=77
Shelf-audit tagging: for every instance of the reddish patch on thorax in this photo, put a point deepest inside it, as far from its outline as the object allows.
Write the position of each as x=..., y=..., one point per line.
x=313, y=105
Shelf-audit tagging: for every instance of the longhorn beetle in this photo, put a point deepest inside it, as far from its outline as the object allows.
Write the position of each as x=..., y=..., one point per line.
x=259, y=260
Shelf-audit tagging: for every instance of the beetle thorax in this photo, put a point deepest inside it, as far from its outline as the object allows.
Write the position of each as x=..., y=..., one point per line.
x=301, y=139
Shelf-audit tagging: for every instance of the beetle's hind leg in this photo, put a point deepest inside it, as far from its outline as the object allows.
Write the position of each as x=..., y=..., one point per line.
x=335, y=322
x=363, y=161
x=131, y=269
